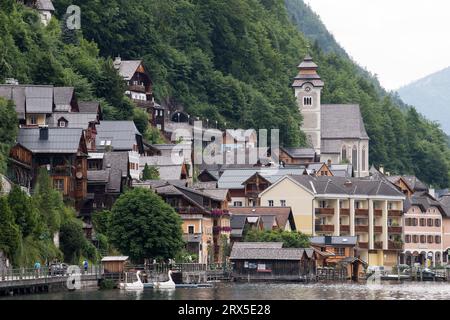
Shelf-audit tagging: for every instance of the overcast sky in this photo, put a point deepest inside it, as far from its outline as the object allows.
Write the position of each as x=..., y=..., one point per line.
x=399, y=40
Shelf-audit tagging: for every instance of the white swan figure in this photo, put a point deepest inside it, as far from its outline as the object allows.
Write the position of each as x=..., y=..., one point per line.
x=137, y=285
x=165, y=285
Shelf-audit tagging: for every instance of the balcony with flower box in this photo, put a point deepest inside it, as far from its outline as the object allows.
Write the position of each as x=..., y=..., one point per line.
x=378, y=245
x=189, y=210
x=217, y=213
x=395, y=229
x=395, y=245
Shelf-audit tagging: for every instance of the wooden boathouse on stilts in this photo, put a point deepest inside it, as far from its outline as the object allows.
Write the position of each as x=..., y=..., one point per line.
x=271, y=262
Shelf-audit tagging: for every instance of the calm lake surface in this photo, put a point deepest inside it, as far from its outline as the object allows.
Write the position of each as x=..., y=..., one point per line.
x=265, y=291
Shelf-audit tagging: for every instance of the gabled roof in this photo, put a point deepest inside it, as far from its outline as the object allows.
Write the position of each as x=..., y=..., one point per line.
x=122, y=134
x=234, y=178
x=115, y=168
x=283, y=214
x=45, y=5
x=270, y=254
x=167, y=168
x=445, y=201
x=258, y=245
x=412, y=181
x=88, y=107
x=424, y=201
x=127, y=68
x=60, y=140
x=39, y=99
x=299, y=153
x=74, y=119
x=342, y=121
x=62, y=98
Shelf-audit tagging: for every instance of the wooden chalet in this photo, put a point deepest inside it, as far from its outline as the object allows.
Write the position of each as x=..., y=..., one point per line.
x=62, y=152
x=140, y=89
x=298, y=156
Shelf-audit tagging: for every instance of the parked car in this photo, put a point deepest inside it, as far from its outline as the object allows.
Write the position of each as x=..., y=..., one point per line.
x=57, y=269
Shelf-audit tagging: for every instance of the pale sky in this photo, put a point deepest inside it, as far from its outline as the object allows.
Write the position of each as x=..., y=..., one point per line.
x=399, y=40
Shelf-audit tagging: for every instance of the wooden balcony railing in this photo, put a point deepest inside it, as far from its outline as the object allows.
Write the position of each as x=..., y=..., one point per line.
x=345, y=212
x=325, y=211
x=378, y=213
x=363, y=245
x=378, y=229
x=345, y=228
x=378, y=245
x=324, y=228
x=189, y=210
x=395, y=230
x=392, y=245
x=137, y=88
x=361, y=228
x=361, y=212
x=395, y=213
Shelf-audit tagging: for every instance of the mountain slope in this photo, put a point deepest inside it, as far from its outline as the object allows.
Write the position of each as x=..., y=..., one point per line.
x=431, y=97
x=228, y=61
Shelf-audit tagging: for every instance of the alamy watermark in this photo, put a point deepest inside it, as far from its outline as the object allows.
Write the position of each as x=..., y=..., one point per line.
x=73, y=17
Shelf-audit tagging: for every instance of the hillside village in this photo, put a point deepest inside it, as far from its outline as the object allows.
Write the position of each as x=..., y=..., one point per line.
x=327, y=190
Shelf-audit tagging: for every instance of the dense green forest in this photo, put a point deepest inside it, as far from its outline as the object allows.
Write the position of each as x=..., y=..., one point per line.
x=230, y=61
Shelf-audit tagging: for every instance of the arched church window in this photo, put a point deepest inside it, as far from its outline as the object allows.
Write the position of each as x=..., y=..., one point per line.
x=344, y=153
x=363, y=165
x=307, y=101
x=355, y=158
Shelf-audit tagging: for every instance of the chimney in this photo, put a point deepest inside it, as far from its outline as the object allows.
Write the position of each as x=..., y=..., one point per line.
x=432, y=192
x=329, y=162
x=43, y=133
x=381, y=169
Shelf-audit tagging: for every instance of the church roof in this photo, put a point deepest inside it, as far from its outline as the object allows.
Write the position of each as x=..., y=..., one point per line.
x=342, y=121
x=307, y=74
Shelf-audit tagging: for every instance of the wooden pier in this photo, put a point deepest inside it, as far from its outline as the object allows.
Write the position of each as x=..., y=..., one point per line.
x=28, y=281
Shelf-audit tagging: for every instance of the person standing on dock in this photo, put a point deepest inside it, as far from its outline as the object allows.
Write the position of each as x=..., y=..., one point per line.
x=37, y=268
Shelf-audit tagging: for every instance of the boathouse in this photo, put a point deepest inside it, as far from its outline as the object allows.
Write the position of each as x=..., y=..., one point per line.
x=114, y=264
x=271, y=262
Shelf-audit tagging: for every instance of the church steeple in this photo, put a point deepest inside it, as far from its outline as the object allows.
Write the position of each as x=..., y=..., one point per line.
x=308, y=89
x=307, y=72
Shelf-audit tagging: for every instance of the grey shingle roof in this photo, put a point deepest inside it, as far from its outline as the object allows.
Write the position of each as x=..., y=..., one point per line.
x=62, y=98
x=258, y=245
x=39, y=99
x=335, y=240
x=445, y=201
x=299, y=152
x=122, y=134
x=348, y=186
x=267, y=254
x=424, y=201
x=46, y=5
x=117, y=165
x=74, y=119
x=282, y=214
x=234, y=178
x=88, y=106
x=342, y=121
x=413, y=182
x=128, y=68
x=342, y=170
x=17, y=95
x=60, y=140
x=168, y=170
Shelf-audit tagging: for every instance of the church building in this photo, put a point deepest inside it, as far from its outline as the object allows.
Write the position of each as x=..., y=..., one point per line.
x=335, y=131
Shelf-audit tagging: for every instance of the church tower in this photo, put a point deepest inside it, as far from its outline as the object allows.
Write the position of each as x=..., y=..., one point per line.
x=308, y=88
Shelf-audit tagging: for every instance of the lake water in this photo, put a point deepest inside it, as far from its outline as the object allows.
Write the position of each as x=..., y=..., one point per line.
x=266, y=291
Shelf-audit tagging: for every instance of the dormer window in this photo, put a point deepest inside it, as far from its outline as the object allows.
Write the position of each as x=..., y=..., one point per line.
x=307, y=101
x=62, y=123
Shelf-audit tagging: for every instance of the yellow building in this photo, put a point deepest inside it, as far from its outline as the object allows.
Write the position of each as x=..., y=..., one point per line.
x=335, y=206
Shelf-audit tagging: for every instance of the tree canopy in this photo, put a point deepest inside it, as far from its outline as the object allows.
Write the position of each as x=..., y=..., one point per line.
x=290, y=239
x=143, y=226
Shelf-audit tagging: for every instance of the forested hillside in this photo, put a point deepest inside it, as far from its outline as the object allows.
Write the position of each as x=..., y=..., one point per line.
x=230, y=61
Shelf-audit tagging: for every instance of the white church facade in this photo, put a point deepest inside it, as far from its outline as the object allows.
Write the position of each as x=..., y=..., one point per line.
x=335, y=131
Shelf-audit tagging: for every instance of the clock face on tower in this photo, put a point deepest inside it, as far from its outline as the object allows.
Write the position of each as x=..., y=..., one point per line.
x=307, y=89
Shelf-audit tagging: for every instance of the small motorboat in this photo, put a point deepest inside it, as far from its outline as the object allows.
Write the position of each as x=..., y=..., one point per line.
x=137, y=285
x=165, y=285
